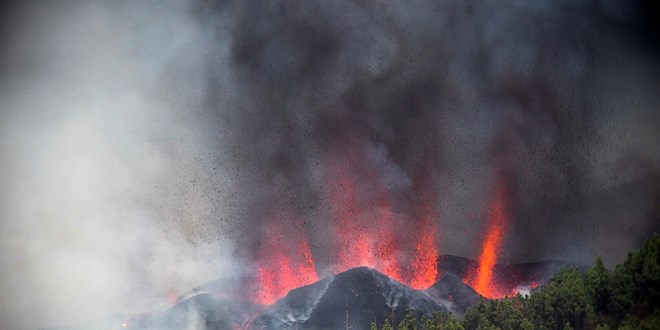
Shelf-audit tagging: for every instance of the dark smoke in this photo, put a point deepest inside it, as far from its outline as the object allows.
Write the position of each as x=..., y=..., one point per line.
x=560, y=98
x=149, y=147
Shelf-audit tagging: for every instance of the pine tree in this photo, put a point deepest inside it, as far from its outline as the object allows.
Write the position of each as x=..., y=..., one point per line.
x=526, y=325
x=428, y=324
x=597, y=280
x=440, y=318
x=373, y=326
x=453, y=324
x=409, y=322
x=386, y=325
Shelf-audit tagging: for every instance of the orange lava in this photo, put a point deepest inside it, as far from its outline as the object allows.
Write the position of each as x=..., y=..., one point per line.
x=424, y=265
x=289, y=264
x=355, y=240
x=386, y=249
x=482, y=280
x=366, y=227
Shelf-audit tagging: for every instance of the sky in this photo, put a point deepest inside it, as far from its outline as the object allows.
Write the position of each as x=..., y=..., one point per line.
x=146, y=146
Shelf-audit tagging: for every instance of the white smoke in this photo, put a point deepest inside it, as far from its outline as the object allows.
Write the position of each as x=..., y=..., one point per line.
x=109, y=200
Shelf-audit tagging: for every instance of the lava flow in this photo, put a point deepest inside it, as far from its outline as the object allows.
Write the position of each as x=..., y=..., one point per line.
x=481, y=279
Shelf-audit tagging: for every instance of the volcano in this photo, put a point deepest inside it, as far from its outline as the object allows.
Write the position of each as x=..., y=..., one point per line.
x=200, y=311
x=451, y=292
x=509, y=278
x=355, y=297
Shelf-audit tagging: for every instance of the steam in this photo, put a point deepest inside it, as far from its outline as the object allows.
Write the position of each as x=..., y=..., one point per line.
x=109, y=198
x=144, y=145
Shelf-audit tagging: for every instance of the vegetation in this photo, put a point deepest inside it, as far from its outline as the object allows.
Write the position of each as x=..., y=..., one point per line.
x=626, y=298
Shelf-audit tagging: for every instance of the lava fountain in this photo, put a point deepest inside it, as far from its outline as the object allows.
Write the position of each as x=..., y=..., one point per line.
x=286, y=263
x=481, y=279
x=425, y=261
x=365, y=225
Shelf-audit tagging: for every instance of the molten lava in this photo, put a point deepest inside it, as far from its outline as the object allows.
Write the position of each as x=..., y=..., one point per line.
x=424, y=265
x=386, y=249
x=481, y=279
x=288, y=263
x=366, y=230
x=355, y=240
x=366, y=233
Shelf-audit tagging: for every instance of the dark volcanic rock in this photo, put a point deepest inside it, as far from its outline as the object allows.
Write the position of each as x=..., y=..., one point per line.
x=360, y=295
x=457, y=266
x=451, y=292
x=201, y=311
x=296, y=306
x=365, y=294
x=507, y=275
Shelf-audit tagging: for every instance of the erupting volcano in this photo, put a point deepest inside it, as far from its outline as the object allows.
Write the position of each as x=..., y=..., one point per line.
x=366, y=227
x=321, y=164
x=367, y=232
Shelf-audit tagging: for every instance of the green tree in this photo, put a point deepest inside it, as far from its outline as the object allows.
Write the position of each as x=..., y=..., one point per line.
x=374, y=326
x=597, y=280
x=386, y=325
x=440, y=318
x=564, y=299
x=635, y=284
x=474, y=315
x=409, y=322
x=428, y=324
x=526, y=325
x=626, y=298
x=453, y=324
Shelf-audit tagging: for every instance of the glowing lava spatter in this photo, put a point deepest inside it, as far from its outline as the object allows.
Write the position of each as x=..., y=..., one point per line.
x=289, y=265
x=424, y=265
x=366, y=227
x=481, y=279
x=424, y=272
x=355, y=241
x=386, y=249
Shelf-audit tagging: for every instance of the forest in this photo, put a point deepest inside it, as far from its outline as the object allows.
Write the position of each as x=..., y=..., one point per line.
x=628, y=297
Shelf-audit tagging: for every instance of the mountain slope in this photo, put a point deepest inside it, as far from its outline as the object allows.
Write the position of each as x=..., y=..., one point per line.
x=362, y=293
x=357, y=296
x=451, y=292
x=201, y=311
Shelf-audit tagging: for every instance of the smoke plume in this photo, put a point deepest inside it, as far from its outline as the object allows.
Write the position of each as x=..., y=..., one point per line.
x=150, y=147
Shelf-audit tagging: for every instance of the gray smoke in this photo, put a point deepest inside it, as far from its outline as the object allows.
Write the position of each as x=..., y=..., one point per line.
x=145, y=146
x=560, y=99
x=111, y=201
